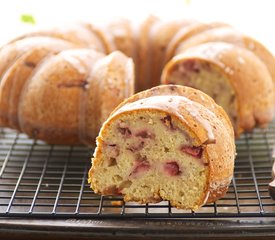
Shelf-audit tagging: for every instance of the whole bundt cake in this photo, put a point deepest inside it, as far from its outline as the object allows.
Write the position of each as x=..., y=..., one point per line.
x=60, y=84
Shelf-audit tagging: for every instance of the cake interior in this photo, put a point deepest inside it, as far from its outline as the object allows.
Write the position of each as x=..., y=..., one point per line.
x=149, y=156
x=209, y=78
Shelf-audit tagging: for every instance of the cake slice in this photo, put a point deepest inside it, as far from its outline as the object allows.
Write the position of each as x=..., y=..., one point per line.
x=167, y=143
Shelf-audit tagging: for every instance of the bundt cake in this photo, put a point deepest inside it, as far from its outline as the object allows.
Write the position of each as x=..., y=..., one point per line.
x=167, y=143
x=235, y=77
x=59, y=93
x=60, y=84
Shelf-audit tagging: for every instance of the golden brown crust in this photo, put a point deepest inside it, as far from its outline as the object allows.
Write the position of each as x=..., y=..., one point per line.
x=13, y=82
x=144, y=54
x=53, y=92
x=10, y=52
x=23, y=57
x=186, y=33
x=247, y=75
x=121, y=31
x=104, y=37
x=159, y=37
x=83, y=35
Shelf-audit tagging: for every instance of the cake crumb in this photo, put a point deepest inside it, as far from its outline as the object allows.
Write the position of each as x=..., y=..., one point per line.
x=151, y=121
x=117, y=203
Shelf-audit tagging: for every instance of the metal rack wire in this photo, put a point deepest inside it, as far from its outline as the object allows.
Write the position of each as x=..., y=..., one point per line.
x=50, y=181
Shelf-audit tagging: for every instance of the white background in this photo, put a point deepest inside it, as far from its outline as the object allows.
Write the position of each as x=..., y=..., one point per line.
x=254, y=17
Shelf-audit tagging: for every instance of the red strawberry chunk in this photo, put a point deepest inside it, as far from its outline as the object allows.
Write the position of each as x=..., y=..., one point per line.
x=145, y=134
x=140, y=168
x=172, y=168
x=112, y=150
x=136, y=147
x=191, y=65
x=124, y=129
x=167, y=121
x=192, y=150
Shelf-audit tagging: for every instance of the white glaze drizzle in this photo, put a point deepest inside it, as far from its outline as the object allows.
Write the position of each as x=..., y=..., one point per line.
x=164, y=103
x=74, y=62
x=229, y=70
x=241, y=60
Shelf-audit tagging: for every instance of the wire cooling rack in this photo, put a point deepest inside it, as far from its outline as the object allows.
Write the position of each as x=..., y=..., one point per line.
x=50, y=181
